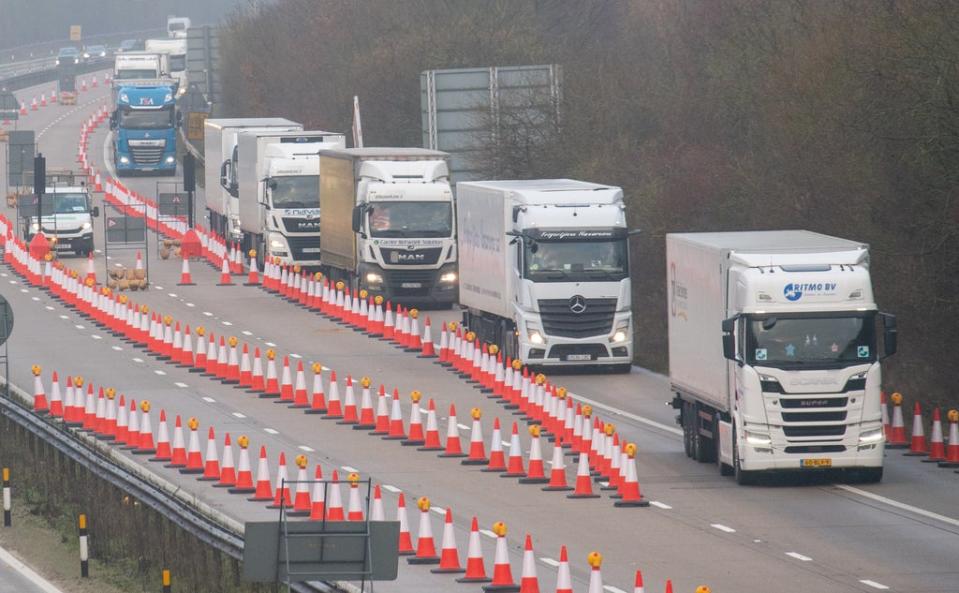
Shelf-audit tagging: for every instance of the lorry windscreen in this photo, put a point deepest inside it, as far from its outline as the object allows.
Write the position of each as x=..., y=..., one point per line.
x=153, y=119
x=576, y=261
x=823, y=340
x=411, y=219
x=295, y=191
x=135, y=74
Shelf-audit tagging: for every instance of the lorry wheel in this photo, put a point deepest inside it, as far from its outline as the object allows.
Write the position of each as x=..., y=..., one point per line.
x=866, y=475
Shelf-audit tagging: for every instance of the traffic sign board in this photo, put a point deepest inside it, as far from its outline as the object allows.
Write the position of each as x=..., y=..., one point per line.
x=6, y=320
x=75, y=32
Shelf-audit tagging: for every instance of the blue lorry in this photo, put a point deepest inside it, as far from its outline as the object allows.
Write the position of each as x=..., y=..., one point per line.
x=144, y=125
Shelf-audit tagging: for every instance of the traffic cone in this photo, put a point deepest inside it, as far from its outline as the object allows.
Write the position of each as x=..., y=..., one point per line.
x=186, y=279
x=584, y=481
x=227, y=469
x=302, y=504
x=253, y=276
x=334, y=410
x=194, y=460
x=257, y=381
x=564, y=582
x=56, y=402
x=382, y=425
x=502, y=573
x=595, y=560
x=886, y=428
x=406, y=541
x=178, y=455
x=225, y=278
x=133, y=430
x=449, y=555
x=477, y=455
x=497, y=460
x=952, y=448
x=638, y=585
x=475, y=570
x=246, y=371
x=528, y=581
x=263, y=492
x=897, y=431
x=629, y=488
x=937, y=449
x=91, y=270
x=376, y=509
x=334, y=506
x=299, y=389
x=536, y=473
x=272, y=385
x=415, y=437
x=429, y=349
x=515, y=464
x=396, y=432
x=70, y=404
x=318, y=506
x=318, y=403
x=669, y=586
x=123, y=431
x=186, y=349
x=453, y=446
x=432, y=440
x=211, y=461
x=244, y=476
x=163, y=441
x=39, y=395
x=281, y=497
x=425, y=547
x=145, y=439
x=367, y=419
x=286, y=383
x=918, y=446
x=557, y=475
x=354, y=511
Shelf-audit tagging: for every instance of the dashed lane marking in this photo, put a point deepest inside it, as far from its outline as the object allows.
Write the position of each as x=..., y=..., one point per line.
x=226, y=323
x=208, y=314
x=64, y=317
x=462, y=426
x=159, y=372
x=140, y=360
x=438, y=510
x=209, y=399
x=271, y=344
x=246, y=332
x=181, y=385
x=391, y=488
x=548, y=561
x=488, y=533
x=305, y=448
x=190, y=305
x=660, y=505
x=49, y=308
x=35, y=298
x=350, y=469
x=613, y=589
x=295, y=355
x=117, y=348
x=96, y=337
x=78, y=326
x=239, y=415
x=799, y=556
x=722, y=527
x=873, y=584
x=270, y=431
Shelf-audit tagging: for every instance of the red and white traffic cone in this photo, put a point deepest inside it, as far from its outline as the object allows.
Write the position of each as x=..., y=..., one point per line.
x=56, y=401
x=286, y=383
x=246, y=370
x=564, y=582
x=300, y=398
x=302, y=504
x=397, y=431
x=557, y=475
x=406, y=540
x=281, y=493
x=318, y=505
x=415, y=436
x=638, y=583
x=367, y=420
x=40, y=405
x=354, y=510
x=194, y=459
x=226, y=279
x=449, y=555
x=502, y=573
x=382, y=424
x=91, y=270
x=952, y=447
x=334, y=506
x=211, y=461
x=349, y=404
x=133, y=430
x=515, y=464
x=937, y=448
x=244, y=475
x=918, y=446
x=584, y=481
x=528, y=581
x=536, y=472
x=164, y=452
x=257, y=380
x=272, y=384
x=227, y=468
x=897, y=431
x=428, y=349
x=629, y=493
x=253, y=276
x=475, y=570
x=497, y=460
x=425, y=546
x=477, y=454
x=318, y=398
x=334, y=408
x=178, y=455
x=453, y=446
x=432, y=440
x=595, y=560
x=186, y=279
x=376, y=508
x=264, y=491
x=145, y=444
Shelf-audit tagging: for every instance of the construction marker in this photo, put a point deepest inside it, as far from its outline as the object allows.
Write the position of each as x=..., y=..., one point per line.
x=166, y=581
x=84, y=551
x=7, y=519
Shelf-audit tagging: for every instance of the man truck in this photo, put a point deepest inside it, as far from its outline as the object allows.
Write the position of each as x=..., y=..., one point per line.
x=144, y=126
x=278, y=176
x=220, y=177
x=387, y=223
x=773, y=354
x=544, y=270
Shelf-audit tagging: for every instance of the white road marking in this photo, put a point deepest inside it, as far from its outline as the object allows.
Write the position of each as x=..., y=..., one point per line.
x=159, y=372
x=140, y=360
x=208, y=314
x=190, y=305
x=438, y=510
x=64, y=317
x=24, y=290
x=660, y=505
x=305, y=448
x=117, y=348
x=238, y=415
x=295, y=355
x=899, y=505
x=246, y=332
x=35, y=298
x=799, y=556
x=462, y=426
x=350, y=469
x=172, y=295
x=271, y=344
x=3, y=274
x=548, y=561
x=25, y=571
x=13, y=282
x=873, y=584
x=722, y=527
x=391, y=488
x=488, y=533
x=48, y=308
x=635, y=417
x=506, y=443
x=182, y=385
x=270, y=431
x=159, y=288
x=227, y=323
x=613, y=589
x=96, y=337
x=78, y=326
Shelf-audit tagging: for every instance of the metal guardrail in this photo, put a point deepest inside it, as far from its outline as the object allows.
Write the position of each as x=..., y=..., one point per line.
x=41, y=49
x=186, y=511
x=22, y=81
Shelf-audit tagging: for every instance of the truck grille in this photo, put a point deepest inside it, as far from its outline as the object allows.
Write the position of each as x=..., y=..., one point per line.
x=299, y=245
x=146, y=155
x=559, y=320
x=815, y=431
x=814, y=416
x=414, y=257
x=60, y=230
x=813, y=403
x=395, y=279
x=595, y=351
x=301, y=225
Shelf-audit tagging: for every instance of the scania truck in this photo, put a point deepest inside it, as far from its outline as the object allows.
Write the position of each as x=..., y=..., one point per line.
x=278, y=175
x=544, y=270
x=773, y=352
x=144, y=126
x=387, y=223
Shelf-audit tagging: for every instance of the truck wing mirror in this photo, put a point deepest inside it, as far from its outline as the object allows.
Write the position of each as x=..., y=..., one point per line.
x=357, y=221
x=729, y=339
x=224, y=178
x=890, y=334
x=96, y=212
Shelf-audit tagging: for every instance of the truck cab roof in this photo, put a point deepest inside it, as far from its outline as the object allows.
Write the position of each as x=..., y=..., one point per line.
x=773, y=248
x=554, y=192
x=390, y=153
x=145, y=97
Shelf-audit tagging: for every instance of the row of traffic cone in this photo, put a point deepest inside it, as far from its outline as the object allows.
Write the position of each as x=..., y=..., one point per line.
x=934, y=450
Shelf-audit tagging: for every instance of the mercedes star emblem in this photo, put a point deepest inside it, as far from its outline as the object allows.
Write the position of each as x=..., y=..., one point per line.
x=577, y=304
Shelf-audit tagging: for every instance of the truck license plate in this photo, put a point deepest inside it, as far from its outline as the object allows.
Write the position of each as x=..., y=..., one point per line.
x=412, y=285
x=579, y=357
x=825, y=462
x=311, y=250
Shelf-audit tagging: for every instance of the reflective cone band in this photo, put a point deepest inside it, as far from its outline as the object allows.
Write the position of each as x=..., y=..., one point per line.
x=477, y=454
x=502, y=573
x=282, y=490
x=318, y=505
x=564, y=582
x=334, y=506
x=453, y=446
x=449, y=555
x=937, y=448
x=528, y=582
x=497, y=461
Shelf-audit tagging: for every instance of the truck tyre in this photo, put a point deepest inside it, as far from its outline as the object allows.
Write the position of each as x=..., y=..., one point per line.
x=743, y=477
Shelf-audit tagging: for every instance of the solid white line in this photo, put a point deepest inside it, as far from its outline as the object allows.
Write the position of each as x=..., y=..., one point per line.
x=637, y=418
x=873, y=584
x=391, y=488
x=799, y=556
x=548, y=561
x=722, y=527
x=660, y=505
x=899, y=505
x=27, y=573
x=270, y=431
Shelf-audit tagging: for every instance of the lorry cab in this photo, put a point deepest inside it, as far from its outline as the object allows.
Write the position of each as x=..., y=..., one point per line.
x=66, y=215
x=145, y=122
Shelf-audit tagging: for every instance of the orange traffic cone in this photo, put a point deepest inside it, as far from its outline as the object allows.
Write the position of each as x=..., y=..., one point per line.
x=272, y=384
x=211, y=461
x=937, y=449
x=406, y=541
x=952, y=448
x=145, y=444
x=244, y=475
x=257, y=381
x=528, y=581
x=56, y=401
x=318, y=403
x=584, y=482
x=281, y=497
x=382, y=424
x=415, y=437
x=432, y=441
x=595, y=560
x=253, y=277
x=354, y=510
x=318, y=505
x=334, y=506
x=225, y=278
x=186, y=279
x=515, y=466
x=194, y=459
x=286, y=383
x=178, y=456
x=349, y=404
x=429, y=349
x=163, y=439
x=536, y=472
x=133, y=430
x=449, y=555
x=334, y=408
x=557, y=475
x=564, y=582
x=477, y=455
x=453, y=446
x=39, y=395
x=397, y=432
x=638, y=584
x=227, y=468
x=367, y=419
x=918, y=446
x=302, y=505
x=497, y=460
x=629, y=487
x=475, y=570
x=502, y=573
x=425, y=547
x=263, y=492
x=376, y=509
x=884, y=404
x=897, y=432
x=300, y=399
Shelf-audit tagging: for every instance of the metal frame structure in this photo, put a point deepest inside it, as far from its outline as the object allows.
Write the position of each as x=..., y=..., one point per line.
x=125, y=245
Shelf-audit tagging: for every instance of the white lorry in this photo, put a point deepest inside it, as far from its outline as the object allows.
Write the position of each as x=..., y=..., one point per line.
x=141, y=68
x=175, y=52
x=773, y=354
x=278, y=174
x=387, y=223
x=220, y=183
x=176, y=26
x=544, y=270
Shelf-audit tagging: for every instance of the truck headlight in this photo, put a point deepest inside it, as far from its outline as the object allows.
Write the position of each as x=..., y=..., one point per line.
x=86, y=226
x=873, y=435
x=170, y=160
x=374, y=278
x=124, y=160
x=449, y=277
x=535, y=337
x=34, y=227
x=758, y=439
x=277, y=244
x=619, y=336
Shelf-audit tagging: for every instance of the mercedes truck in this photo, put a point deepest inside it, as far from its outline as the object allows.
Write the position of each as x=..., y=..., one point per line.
x=144, y=126
x=544, y=270
x=775, y=343
x=278, y=177
x=387, y=223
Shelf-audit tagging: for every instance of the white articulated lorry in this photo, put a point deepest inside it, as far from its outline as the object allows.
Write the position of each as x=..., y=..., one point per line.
x=773, y=352
x=387, y=223
x=544, y=270
x=174, y=51
x=278, y=175
x=220, y=183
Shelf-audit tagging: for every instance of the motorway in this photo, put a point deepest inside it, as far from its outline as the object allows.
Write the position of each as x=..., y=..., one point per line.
x=899, y=535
